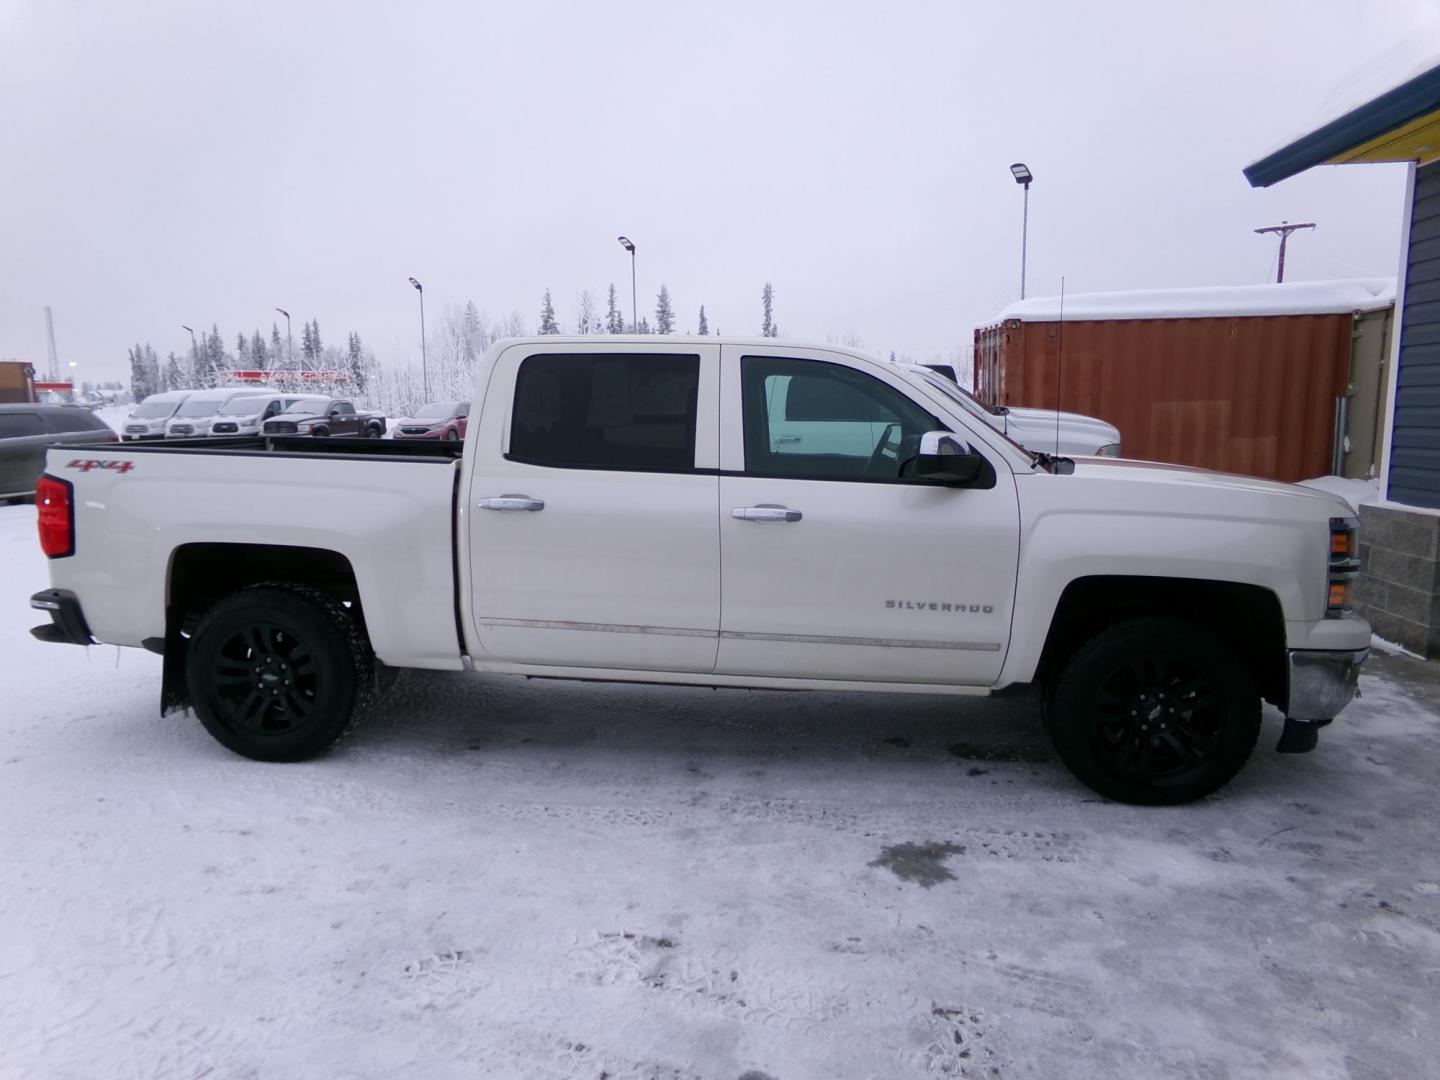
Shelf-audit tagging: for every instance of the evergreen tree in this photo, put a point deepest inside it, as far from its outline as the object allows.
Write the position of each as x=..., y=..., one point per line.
x=664, y=314
x=704, y=325
x=614, y=321
x=152, y=369
x=644, y=327
x=307, y=345
x=258, y=353
x=355, y=362
x=174, y=379
x=140, y=387
x=474, y=334
x=277, y=347
x=767, y=298
x=548, y=325
x=242, y=350
x=215, y=359
x=315, y=339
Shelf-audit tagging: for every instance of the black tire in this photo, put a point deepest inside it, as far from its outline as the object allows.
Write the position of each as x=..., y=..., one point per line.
x=279, y=672
x=372, y=431
x=452, y=435
x=320, y=432
x=1155, y=711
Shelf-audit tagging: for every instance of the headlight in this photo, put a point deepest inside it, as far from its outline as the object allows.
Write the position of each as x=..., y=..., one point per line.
x=1109, y=450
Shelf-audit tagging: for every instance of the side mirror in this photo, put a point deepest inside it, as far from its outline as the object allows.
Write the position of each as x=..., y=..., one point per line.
x=944, y=459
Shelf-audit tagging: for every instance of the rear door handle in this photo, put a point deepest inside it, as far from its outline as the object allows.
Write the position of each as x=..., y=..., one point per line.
x=512, y=503
x=765, y=514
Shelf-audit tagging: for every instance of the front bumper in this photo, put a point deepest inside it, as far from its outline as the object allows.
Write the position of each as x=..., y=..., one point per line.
x=1322, y=682
x=67, y=624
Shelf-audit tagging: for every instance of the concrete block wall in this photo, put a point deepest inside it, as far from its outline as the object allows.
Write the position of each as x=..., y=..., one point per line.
x=1399, y=586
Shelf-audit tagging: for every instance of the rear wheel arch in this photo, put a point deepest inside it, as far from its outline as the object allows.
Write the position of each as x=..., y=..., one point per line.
x=201, y=575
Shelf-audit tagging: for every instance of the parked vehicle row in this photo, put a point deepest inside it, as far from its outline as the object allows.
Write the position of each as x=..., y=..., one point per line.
x=226, y=413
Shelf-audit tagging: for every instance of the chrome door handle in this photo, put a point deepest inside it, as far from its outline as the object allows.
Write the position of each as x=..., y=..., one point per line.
x=512, y=503
x=765, y=513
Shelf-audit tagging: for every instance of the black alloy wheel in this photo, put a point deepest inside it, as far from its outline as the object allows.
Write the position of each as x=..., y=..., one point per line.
x=278, y=672
x=1155, y=711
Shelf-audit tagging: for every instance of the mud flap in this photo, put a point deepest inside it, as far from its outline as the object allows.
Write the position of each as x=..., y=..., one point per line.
x=1299, y=736
x=174, y=694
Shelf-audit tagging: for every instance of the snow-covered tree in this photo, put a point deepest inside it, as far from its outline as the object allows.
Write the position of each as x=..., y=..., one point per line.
x=277, y=347
x=614, y=321
x=548, y=325
x=174, y=378
x=355, y=363
x=767, y=299
x=140, y=385
x=704, y=329
x=644, y=327
x=259, y=355
x=664, y=313
x=587, y=315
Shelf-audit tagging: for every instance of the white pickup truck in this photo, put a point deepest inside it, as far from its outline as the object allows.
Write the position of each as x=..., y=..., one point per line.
x=636, y=509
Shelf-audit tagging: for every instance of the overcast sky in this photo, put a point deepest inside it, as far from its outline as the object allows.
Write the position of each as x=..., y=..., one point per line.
x=171, y=162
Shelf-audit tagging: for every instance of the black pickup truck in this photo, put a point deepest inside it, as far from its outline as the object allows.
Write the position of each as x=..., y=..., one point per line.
x=326, y=416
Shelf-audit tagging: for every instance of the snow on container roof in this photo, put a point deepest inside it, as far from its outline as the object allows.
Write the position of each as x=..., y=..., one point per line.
x=1212, y=301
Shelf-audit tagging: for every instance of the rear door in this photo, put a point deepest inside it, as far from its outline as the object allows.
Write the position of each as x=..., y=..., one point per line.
x=23, y=439
x=593, y=536
x=836, y=565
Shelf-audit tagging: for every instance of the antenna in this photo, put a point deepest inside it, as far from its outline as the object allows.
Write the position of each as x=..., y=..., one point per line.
x=1059, y=359
x=54, y=374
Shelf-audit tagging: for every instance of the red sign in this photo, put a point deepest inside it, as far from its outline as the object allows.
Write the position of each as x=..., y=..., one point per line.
x=55, y=387
x=286, y=376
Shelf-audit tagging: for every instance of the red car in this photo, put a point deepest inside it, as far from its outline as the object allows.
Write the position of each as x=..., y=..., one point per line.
x=438, y=420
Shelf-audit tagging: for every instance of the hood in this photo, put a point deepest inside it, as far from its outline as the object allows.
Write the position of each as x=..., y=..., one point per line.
x=298, y=417
x=1039, y=419
x=1203, y=491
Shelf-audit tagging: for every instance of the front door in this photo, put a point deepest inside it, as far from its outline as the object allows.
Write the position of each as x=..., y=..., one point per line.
x=834, y=564
x=593, y=508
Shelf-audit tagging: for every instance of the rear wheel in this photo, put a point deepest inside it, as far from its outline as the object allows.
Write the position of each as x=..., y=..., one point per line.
x=372, y=431
x=278, y=672
x=1155, y=711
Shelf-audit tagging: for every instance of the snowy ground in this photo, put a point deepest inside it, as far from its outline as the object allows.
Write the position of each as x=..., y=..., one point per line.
x=497, y=879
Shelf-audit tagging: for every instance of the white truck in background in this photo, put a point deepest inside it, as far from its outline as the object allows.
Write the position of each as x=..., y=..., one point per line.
x=636, y=509
x=1036, y=429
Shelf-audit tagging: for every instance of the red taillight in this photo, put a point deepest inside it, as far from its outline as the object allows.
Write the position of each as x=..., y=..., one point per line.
x=55, y=516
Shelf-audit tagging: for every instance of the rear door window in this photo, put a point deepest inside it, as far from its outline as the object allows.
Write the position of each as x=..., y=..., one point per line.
x=15, y=425
x=619, y=411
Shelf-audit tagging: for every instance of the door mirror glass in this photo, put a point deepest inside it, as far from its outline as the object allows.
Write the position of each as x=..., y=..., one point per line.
x=945, y=459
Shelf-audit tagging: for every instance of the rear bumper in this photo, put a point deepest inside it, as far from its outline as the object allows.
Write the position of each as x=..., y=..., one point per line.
x=67, y=624
x=1322, y=682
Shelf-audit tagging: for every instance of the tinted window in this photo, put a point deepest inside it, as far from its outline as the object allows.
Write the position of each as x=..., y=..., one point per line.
x=810, y=419
x=606, y=412
x=15, y=424
x=62, y=420
x=344, y=408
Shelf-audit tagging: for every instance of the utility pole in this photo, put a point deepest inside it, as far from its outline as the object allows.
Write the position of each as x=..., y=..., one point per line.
x=54, y=372
x=1284, y=229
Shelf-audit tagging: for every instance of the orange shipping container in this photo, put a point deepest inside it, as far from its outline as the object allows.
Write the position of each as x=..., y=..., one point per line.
x=1242, y=379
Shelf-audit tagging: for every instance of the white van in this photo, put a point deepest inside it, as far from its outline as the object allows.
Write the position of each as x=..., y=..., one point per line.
x=247, y=416
x=194, y=417
x=148, y=419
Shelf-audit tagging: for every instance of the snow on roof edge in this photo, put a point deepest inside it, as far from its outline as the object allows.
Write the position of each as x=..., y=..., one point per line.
x=1211, y=301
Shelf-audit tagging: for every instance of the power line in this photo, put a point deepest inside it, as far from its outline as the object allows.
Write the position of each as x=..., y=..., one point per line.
x=1284, y=229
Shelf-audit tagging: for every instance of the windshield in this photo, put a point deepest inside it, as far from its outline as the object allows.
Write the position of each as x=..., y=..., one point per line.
x=437, y=410
x=306, y=407
x=194, y=407
x=926, y=377
x=153, y=410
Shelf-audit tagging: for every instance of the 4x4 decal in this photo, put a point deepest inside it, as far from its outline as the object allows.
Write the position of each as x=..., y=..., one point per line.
x=86, y=464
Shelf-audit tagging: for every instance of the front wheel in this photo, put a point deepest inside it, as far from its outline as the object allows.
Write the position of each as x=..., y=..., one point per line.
x=278, y=672
x=1155, y=711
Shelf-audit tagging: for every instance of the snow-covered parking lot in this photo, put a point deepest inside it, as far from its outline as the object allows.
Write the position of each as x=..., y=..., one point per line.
x=494, y=878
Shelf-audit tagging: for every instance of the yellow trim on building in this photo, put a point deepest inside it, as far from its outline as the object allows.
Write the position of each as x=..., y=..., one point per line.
x=1419, y=140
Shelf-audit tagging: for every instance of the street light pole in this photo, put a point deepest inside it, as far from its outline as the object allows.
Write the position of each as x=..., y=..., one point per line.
x=626, y=243
x=289, y=345
x=424, y=370
x=1022, y=175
